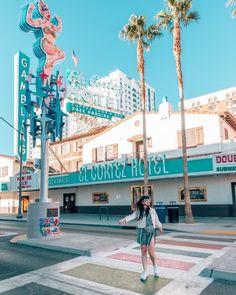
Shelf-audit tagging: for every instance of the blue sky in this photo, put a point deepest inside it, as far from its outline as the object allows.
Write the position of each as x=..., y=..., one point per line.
x=91, y=28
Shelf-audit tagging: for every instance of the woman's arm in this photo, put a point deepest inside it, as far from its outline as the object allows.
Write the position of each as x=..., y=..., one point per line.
x=128, y=218
x=57, y=27
x=29, y=16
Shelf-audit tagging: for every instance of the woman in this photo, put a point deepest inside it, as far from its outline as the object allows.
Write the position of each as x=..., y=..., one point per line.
x=147, y=222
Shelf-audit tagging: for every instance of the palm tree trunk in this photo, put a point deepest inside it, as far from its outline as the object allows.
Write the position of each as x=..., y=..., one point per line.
x=177, y=55
x=140, y=57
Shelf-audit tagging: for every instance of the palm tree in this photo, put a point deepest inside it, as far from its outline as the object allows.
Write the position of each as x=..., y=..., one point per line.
x=178, y=13
x=136, y=31
x=229, y=3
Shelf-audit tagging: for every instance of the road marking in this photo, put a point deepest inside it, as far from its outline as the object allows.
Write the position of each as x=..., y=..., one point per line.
x=168, y=263
x=218, y=232
x=192, y=244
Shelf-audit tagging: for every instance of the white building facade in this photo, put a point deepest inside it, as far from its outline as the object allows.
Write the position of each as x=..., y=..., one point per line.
x=112, y=174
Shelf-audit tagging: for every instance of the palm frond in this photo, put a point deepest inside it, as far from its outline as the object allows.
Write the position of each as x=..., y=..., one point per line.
x=146, y=45
x=230, y=2
x=136, y=30
x=177, y=10
x=192, y=16
x=233, y=12
x=165, y=19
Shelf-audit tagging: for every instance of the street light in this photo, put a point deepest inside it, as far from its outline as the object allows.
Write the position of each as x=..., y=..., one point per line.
x=19, y=215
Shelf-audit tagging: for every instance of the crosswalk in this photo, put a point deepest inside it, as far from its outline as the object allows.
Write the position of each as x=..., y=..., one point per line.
x=181, y=257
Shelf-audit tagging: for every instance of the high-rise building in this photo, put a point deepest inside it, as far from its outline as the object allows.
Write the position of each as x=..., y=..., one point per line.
x=122, y=93
x=215, y=102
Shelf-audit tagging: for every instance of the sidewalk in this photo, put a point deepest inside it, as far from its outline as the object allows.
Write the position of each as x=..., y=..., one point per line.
x=202, y=225
x=223, y=267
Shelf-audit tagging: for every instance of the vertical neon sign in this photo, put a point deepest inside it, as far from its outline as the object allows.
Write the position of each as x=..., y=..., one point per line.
x=21, y=64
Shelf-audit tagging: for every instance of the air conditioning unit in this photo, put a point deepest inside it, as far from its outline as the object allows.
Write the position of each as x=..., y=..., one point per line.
x=123, y=157
x=37, y=164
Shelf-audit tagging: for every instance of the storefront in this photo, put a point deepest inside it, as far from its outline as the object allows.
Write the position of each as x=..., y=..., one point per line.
x=118, y=185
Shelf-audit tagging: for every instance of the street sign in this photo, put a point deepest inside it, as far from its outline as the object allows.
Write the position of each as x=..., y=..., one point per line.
x=91, y=111
x=21, y=69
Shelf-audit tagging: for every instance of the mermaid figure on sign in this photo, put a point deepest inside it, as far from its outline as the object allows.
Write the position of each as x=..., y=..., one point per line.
x=37, y=18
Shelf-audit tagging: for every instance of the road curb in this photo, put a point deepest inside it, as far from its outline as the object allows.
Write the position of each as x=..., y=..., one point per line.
x=12, y=219
x=215, y=273
x=67, y=250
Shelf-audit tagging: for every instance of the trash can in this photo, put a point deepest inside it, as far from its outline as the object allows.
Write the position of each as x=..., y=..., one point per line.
x=161, y=211
x=173, y=212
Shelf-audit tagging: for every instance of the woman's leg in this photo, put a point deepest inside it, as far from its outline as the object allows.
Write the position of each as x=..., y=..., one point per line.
x=151, y=251
x=144, y=257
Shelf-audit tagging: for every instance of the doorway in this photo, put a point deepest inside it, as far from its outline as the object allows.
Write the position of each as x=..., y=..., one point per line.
x=233, y=189
x=139, y=149
x=25, y=200
x=69, y=203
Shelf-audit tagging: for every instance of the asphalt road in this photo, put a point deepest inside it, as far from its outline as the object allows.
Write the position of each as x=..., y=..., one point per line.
x=18, y=259
x=220, y=287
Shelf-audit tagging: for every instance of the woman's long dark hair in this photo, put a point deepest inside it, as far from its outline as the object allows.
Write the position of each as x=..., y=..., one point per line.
x=140, y=207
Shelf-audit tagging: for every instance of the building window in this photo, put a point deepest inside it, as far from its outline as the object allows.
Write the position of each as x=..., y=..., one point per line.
x=64, y=149
x=226, y=134
x=210, y=100
x=100, y=198
x=111, y=152
x=3, y=171
x=78, y=146
x=138, y=191
x=149, y=141
x=139, y=152
x=216, y=108
x=197, y=194
x=194, y=137
x=210, y=108
x=97, y=154
x=228, y=104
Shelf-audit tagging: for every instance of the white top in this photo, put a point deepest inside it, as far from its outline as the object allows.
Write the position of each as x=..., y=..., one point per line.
x=142, y=222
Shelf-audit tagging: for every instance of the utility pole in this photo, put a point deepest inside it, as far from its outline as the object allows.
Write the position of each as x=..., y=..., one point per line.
x=19, y=215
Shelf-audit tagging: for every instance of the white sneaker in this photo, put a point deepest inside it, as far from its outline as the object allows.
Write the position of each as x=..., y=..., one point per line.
x=155, y=271
x=143, y=276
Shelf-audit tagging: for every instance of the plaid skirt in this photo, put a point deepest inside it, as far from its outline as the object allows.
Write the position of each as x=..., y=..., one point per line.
x=146, y=234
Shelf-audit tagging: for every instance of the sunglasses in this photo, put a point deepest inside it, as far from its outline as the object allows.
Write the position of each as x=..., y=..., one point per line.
x=146, y=200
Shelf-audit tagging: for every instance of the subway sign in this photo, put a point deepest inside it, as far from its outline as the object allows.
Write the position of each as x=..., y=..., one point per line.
x=225, y=163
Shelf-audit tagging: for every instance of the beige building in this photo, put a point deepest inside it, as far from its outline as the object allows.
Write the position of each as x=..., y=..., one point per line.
x=215, y=102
